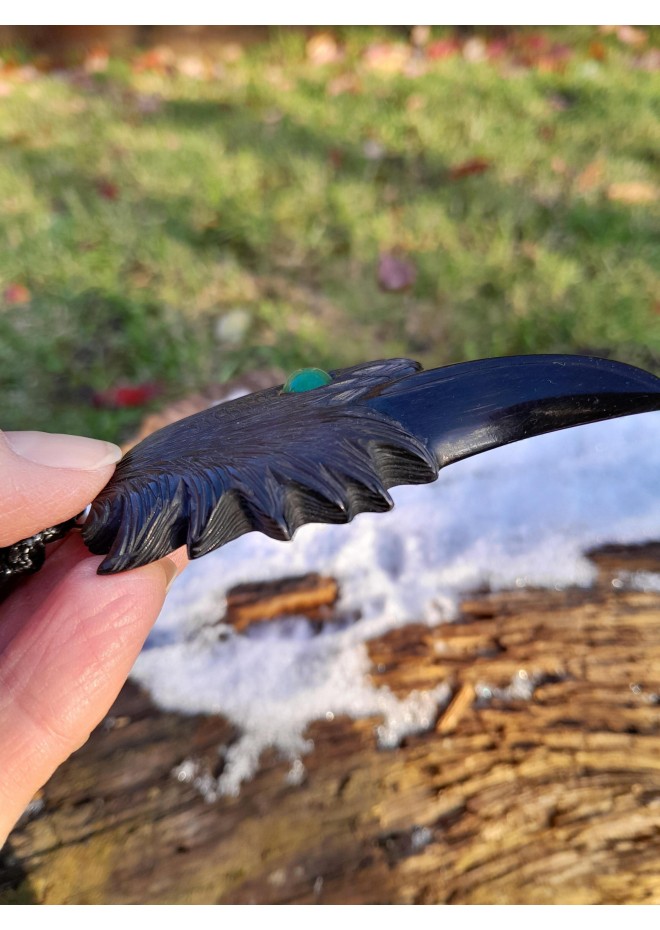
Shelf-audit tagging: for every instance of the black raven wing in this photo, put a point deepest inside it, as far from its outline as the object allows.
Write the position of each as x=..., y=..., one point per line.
x=272, y=461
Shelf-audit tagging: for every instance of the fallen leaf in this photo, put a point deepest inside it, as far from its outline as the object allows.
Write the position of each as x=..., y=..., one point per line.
x=633, y=192
x=107, y=189
x=534, y=50
x=597, y=51
x=630, y=35
x=395, y=273
x=9, y=65
x=533, y=41
x=15, y=294
x=442, y=48
x=387, y=57
x=96, y=60
x=495, y=48
x=589, y=177
x=159, y=59
x=322, y=49
x=126, y=395
x=468, y=168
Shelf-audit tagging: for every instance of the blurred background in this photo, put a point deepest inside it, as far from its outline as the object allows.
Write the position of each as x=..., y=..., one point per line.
x=182, y=204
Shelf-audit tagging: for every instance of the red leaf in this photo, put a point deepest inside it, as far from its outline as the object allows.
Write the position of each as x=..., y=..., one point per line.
x=495, y=48
x=159, y=59
x=107, y=189
x=468, y=168
x=394, y=273
x=127, y=395
x=15, y=294
x=534, y=41
x=442, y=48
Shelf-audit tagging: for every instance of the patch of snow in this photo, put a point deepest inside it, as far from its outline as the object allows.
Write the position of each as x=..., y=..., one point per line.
x=524, y=514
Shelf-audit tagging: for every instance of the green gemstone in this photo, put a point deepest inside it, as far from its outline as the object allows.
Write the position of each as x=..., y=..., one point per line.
x=306, y=379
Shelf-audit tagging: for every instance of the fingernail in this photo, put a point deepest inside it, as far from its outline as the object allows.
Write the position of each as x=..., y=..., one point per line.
x=60, y=451
x=171, y=571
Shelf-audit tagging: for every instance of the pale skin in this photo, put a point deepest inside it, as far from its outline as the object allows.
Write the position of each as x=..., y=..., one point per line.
x=68, y=637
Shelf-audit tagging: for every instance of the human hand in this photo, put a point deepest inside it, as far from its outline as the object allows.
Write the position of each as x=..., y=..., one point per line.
x=68, y=637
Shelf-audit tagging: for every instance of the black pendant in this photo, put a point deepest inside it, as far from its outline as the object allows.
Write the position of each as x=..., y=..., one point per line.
x=276, y=459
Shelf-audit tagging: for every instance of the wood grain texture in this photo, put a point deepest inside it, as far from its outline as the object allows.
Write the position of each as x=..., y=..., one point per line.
x=539, y=783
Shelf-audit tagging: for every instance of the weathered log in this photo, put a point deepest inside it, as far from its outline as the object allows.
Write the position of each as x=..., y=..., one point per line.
x=539, y=783
x=312, y=596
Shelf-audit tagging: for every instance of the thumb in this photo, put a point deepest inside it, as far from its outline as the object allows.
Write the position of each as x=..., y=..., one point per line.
x=46, y=478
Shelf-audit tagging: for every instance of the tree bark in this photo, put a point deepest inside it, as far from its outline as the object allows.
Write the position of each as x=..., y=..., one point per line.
x=539, y=783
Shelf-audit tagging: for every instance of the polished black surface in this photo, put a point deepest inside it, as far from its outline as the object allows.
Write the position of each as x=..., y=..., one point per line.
x=272, y=461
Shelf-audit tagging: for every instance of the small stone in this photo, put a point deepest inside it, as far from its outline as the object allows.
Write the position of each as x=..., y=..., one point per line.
x=306, y=379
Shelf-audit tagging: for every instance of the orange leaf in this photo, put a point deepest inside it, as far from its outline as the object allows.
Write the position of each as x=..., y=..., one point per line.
x=16, y=294
x=589, y=177
x=633, y=192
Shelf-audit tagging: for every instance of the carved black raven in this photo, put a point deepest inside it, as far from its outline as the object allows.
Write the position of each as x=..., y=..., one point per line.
x=279, y=458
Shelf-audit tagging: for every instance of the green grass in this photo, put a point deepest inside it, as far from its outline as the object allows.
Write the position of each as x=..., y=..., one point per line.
x=138, y=208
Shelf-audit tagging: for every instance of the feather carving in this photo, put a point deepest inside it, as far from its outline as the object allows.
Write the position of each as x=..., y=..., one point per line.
x=272, y=461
